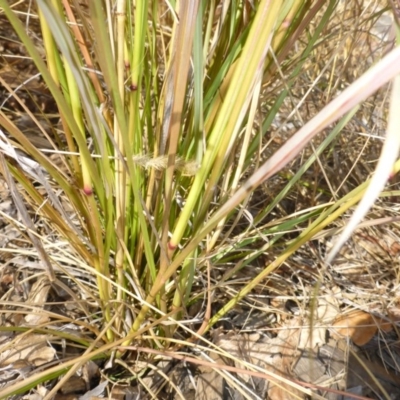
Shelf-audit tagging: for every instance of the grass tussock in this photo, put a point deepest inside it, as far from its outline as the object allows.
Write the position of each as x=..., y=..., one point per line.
x=177, y=173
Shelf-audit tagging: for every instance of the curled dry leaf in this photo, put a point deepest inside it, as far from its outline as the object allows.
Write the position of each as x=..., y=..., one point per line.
x=314, y=335
x=360, y=326
x=274, y=355
x=38, y=296
x=33, y=349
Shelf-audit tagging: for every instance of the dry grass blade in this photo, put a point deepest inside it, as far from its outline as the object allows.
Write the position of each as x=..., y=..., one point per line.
x=378, y=75
x=27, y=220
x=382, y=174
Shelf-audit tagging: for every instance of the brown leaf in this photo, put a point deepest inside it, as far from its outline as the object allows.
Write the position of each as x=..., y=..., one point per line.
x=31, y=348
x=360, y=326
